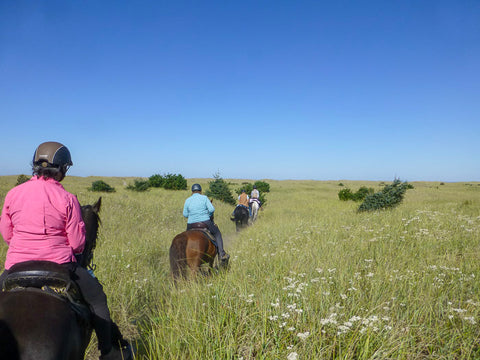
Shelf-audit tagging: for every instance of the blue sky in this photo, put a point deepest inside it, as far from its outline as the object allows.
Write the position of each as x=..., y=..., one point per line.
x=323, y=90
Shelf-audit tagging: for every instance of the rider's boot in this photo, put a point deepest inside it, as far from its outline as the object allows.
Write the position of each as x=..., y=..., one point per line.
x=116, y=347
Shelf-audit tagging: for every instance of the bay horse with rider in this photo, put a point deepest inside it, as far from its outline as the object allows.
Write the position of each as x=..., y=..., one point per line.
x=201, y=241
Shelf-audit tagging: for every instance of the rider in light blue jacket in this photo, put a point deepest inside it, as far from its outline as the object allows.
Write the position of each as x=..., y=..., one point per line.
x=199, y=209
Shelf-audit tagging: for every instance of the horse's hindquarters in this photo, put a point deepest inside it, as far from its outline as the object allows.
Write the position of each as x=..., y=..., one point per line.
x=189, y=250
x=39, y=326
x=241, y=216
x=254, y=210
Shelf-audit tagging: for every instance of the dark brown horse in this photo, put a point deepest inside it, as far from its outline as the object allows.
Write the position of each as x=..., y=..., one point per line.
x=240, y=216
x=37, y=325
x=189, y=250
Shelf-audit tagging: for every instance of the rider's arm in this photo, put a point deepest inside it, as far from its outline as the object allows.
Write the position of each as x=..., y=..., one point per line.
x=210, y=207
x=6, y=226
x=75, y=227
x=185, y=209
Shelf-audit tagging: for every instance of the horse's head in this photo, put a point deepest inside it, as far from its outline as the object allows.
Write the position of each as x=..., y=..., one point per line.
x=92, y=221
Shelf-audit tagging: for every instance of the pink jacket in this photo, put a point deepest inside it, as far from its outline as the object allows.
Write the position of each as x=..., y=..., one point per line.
x=41, y=221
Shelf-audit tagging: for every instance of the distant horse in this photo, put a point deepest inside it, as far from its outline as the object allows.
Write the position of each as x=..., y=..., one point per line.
x=240, y=216
x=255, y=207
x=189, y=250
x=40, y=323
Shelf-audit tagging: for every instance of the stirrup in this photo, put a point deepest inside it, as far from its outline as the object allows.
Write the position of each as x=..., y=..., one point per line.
x=123, y=353
x=225, y=257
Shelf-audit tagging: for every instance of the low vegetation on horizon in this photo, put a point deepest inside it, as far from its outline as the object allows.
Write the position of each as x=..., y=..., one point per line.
x=313, y=278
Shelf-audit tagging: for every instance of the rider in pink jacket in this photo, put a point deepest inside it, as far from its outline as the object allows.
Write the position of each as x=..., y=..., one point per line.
x=42, y=221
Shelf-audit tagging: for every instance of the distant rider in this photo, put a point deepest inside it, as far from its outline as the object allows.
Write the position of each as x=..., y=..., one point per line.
x=243, y=201
x=199, y=209
x=254, y=196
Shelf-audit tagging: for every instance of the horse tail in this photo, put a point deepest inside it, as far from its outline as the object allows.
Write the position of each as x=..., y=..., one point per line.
x=178, y=256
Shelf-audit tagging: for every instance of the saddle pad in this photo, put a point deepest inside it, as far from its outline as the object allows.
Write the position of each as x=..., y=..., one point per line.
x=209, y=235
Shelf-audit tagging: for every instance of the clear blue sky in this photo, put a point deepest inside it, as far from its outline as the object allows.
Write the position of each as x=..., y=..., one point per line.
x=324, y=90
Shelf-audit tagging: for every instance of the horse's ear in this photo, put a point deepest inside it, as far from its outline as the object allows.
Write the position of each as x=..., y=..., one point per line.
x=96, y=206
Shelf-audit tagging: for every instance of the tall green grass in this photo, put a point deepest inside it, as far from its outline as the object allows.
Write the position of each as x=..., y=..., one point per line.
x=312, y=279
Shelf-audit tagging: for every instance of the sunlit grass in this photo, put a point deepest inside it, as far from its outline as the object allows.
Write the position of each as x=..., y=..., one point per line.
x=312, y=279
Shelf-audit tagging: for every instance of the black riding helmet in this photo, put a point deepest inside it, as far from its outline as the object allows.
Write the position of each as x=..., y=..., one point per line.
x=196, y=187
x=52, y=154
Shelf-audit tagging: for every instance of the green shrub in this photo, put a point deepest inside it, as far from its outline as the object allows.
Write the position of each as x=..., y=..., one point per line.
x=218, y=189
x=362, y=193
x=139, y=185
x=101, y=185
x=389, y=197
x=174, y=182
x=156, y=180
x=169, y=181
x=262, y=186
x=21, y=179
x=347, y=194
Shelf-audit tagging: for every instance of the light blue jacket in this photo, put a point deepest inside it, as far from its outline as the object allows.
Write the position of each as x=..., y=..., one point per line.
x=198, y=208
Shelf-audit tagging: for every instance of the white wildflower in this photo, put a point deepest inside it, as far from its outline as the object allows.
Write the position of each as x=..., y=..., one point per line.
x=292, y=356
x=304, y=335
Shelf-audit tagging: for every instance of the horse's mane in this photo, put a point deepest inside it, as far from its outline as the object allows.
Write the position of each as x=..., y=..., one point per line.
x=92, y=223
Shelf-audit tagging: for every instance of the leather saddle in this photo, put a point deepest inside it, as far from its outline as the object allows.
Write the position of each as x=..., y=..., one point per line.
x=200, y=226
x=49, y=277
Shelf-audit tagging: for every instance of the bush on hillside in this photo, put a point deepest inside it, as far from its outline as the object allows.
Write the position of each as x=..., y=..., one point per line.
x=101, y=185
x=139, y=185
x=361, y=194
x=262, y=186
x=174, y=182
x=345, y=194
x=391, y=196
x=21, y=179
x=169, y=181
x=218, y=189
x=156, y=180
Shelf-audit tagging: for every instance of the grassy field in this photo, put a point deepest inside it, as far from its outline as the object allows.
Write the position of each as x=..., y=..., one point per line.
x=312, y=279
